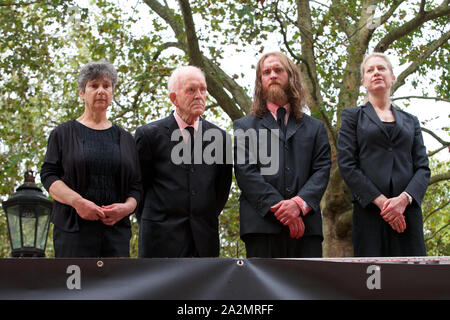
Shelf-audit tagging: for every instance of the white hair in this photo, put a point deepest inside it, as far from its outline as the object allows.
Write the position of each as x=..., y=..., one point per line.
x=172, y=84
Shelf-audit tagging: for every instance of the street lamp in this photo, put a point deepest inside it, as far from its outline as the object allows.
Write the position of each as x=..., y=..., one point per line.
x=28, y=217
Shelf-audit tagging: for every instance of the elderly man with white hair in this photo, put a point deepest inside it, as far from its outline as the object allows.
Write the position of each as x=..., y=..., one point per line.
x=182, y=198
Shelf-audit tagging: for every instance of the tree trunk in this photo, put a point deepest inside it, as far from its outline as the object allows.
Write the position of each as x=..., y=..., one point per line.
x=337, y=217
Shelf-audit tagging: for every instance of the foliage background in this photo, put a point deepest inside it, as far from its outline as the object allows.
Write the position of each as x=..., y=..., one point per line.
x=43, y=44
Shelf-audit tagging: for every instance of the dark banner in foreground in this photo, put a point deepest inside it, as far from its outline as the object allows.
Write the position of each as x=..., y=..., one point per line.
x=224, y=279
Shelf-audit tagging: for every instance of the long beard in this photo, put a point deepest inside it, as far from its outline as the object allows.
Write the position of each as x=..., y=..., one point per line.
x=275, y=94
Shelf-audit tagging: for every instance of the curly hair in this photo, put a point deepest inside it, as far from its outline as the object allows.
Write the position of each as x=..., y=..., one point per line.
x=296, y=91
x=95, y=70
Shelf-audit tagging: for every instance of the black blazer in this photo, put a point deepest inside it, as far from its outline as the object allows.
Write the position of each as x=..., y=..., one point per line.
x=369, y=159
x=180, y=196
x=64, y=161
x=304, y=167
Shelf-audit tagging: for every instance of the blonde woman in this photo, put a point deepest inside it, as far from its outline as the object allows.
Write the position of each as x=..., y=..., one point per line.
x=382, y=158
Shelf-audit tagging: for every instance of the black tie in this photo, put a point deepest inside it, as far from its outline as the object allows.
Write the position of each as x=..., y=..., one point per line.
x=191, y=140
x=281, y=112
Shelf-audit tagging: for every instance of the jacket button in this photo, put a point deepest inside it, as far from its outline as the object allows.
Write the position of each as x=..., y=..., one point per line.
x=390, y=149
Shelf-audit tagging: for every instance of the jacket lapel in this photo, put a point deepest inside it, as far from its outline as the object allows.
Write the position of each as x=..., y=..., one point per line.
x=292, y=126
x=399, y=122
x=372, y=114
x=202, y=128
x=172, y=125
x=268, y=121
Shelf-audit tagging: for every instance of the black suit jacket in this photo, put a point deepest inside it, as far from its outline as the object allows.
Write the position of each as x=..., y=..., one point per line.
x=303, y=156
x=179, y=198
x=372, y=162
x=369, y=159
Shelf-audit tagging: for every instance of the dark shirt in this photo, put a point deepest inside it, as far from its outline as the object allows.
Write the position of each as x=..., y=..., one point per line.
x=101, y=151
x=64, y=160
x=389, y=126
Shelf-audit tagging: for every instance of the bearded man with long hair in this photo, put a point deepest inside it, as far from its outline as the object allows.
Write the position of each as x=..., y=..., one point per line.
x=280, y=210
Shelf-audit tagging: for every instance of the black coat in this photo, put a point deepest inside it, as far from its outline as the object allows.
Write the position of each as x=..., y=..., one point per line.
x=179, y=199
x=64, y=161
x=304, y=167
x=372, y=163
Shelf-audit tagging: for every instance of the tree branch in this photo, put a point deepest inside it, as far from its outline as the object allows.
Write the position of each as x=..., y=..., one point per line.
x=216, y=78
x=194, y=53
x=411, y=25
x=436, y=44
x=445, y=144
x=20, y=4
x=434, y=135
x=439, y=177
x=336, y=9
x=168, y=15
x=437, y=231
x=304, y=24
x=359, y=42
x=240, y=103
x=212, y=72
x=285, y=41
x=435, y=210
x=390, y=12
x=365, y=27
x=420, y=97
x=165, y=46
x=432, y=153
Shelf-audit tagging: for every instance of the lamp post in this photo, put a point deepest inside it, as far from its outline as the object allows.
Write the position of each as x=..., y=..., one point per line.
x=28, y=217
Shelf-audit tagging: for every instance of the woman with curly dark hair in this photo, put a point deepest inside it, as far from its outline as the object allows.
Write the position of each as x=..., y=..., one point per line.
x=92, y=171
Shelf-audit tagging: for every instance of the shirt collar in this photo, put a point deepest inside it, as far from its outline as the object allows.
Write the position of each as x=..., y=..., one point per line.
x=274, y=107
x=182, y=124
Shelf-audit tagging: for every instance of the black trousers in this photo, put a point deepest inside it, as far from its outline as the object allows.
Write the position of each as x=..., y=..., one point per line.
x=93, y=240
x=374, y=237
x=155, y=241
x=281, y=245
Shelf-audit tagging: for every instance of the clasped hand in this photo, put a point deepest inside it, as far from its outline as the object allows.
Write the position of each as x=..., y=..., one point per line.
x=392, y=210
x=109, y=215
x=287, y=212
